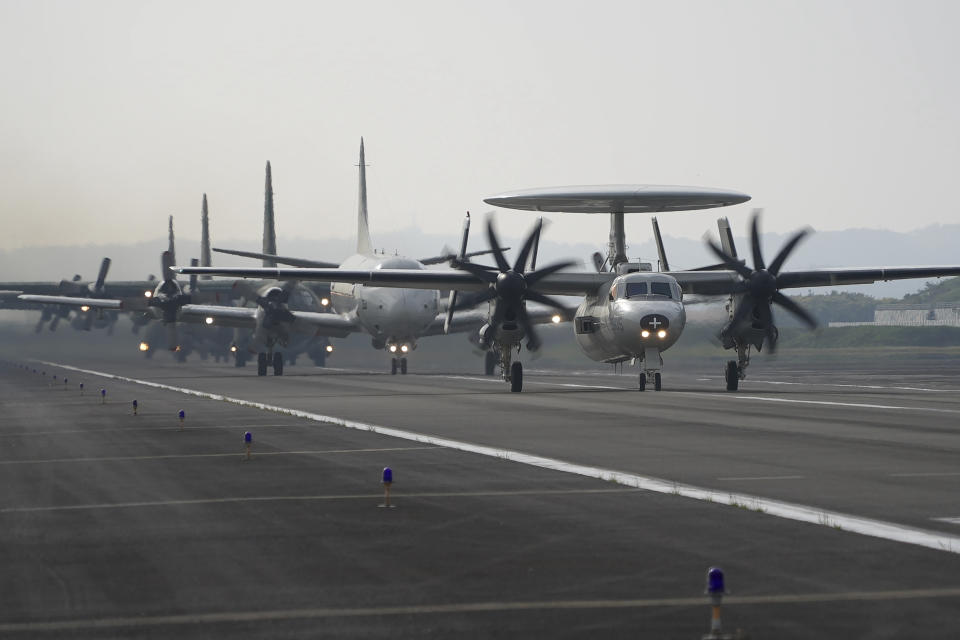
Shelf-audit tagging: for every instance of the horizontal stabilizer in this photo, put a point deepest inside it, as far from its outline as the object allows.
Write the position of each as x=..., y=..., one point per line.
x=98, y=303
x=293, y=262
x=450, y=256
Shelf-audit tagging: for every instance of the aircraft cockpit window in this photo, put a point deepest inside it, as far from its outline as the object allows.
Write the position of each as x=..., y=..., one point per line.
x=636, y=289
x=661, y=289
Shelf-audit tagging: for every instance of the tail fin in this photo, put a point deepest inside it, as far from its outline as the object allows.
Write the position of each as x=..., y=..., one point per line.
x=170, y=245
x=269, y=228
x=661, y=252
x=364, y=246
x=726, y=237
x=205, y=260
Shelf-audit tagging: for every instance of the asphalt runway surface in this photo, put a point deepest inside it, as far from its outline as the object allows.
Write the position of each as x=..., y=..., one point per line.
x=829, y=498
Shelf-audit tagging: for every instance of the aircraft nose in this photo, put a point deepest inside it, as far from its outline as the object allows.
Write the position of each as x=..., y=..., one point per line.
x=410, y=311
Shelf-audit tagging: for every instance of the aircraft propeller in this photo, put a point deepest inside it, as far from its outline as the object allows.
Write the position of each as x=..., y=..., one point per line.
x=169, y=297
x=511, y=286
x=274, y=304
x=759, y=288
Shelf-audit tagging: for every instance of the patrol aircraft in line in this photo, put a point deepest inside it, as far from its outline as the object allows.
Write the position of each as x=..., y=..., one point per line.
x=394, y=318
x=627, y=313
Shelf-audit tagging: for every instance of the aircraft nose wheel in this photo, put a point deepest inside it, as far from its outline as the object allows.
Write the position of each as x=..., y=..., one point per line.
x=403, y=366
x=732, y=374
x=642, y=382
x=657, y=382
x=393, y=366
x=489, y=363
x=516, y=377
x=261, y=364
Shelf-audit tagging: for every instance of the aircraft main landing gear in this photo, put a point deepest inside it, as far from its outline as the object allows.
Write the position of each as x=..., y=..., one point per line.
x=398, y=363
x=264, y=361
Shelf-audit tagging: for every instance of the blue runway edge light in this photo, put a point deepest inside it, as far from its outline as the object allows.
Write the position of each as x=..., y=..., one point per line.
x=387, y=474
x=248, y=437
x=182, y=414
x=715, y=580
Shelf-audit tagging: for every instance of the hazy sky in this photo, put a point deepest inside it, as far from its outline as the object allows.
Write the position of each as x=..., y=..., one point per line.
x=116, y=114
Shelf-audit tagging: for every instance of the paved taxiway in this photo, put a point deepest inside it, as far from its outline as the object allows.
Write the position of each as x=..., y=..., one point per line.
x=123, y=523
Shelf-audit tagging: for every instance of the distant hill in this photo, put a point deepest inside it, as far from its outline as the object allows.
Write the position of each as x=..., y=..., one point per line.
x=850, y=248
x=945, y=291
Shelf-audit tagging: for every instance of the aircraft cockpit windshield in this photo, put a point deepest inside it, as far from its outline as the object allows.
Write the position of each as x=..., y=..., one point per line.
x=646, y=287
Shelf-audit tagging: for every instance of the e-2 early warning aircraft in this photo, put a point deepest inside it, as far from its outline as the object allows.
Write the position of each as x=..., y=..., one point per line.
x=626, y=314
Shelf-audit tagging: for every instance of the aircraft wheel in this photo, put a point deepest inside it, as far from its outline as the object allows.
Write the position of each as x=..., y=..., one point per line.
x=516, y=377
x=489, y=363
x=278, y=364
x=403, y=366
x=261, y=364
x=642, y=382
x=393, y=366
x=656, y=382
x=732, y=375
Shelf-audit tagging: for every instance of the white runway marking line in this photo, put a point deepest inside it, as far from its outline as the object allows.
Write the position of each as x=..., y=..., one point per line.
x=827, y=403
x=852, y=386
x=762, y=478
x=926, y=474
x=539, y=382
x=358, y=496
x=277, y=615
x=185, y=456
x=790, y=511
x=948, y=520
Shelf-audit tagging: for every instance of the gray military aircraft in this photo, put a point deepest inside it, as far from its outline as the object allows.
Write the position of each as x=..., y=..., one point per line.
x=395, y=319
x=627, y=313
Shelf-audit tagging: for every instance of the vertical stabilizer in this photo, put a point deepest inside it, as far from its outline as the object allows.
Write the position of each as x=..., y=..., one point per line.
x=364, y=246
x=269, y=228
x=726, y=237
x=661, y=252
x=170, y=245
x=205, y=260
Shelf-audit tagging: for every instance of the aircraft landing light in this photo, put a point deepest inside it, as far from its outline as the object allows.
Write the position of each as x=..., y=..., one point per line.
x=644, y=334
x=661, y=334
x=208, y=320
x=404, y=348
x=85, y=308
x=324, y=301
x=147, y=294
x=233, y=348
x=144, y=346
x=329, y=348
x=556, y=319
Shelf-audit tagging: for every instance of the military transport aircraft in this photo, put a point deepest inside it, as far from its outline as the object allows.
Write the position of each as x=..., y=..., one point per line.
x=626, y=313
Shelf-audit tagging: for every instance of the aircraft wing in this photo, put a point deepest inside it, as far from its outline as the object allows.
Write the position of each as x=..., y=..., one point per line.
x=296, y=262
x=473, y=319
x=309, y=322
x=564, y=283
x=96, y=303
x=242, y=317
x=832, y=277
x=332, y=325
x=722, y=282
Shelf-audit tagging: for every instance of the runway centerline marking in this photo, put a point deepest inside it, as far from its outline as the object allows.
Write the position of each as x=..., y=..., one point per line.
x=314, y=498
x=762, y=478
x=827, y=403
x=787, y=510
x=227, y=617
x=926, y=474
x=177, y=456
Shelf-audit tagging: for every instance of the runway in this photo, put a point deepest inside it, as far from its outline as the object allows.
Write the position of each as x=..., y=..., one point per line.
x=127, y=523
